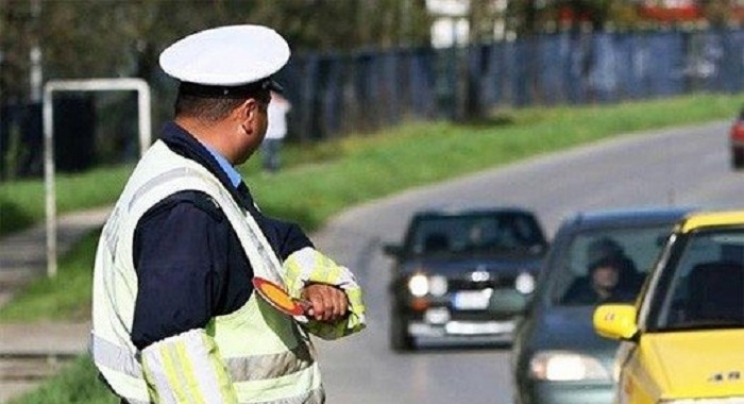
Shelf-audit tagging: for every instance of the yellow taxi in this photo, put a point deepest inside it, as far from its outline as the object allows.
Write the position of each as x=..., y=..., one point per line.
x=682, y=342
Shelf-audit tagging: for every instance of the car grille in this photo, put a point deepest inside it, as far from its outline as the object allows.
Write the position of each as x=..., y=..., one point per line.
x=495, y=281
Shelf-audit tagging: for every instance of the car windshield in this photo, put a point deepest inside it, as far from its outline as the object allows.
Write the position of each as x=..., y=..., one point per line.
x=607, y=265
x=496, y=232
x=703, y=286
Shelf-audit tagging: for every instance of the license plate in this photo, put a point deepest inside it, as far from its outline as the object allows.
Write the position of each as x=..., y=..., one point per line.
x=469, y=328
x=471, y=300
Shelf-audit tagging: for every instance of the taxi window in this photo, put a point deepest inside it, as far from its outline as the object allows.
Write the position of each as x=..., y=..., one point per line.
x=704, y=288
x=636, y=250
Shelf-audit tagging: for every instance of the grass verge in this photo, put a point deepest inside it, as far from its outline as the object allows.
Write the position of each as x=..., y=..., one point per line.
x=76, y=383
x=65, y=297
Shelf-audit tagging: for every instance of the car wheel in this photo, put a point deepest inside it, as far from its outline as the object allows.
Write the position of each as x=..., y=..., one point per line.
x=400, y=340
x=737, y=159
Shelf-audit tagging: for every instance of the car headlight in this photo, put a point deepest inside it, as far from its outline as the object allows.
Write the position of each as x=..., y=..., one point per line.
x=418, y=285
x=566, y=366
x=727, y=400
x=525, y=283
x=438, y=285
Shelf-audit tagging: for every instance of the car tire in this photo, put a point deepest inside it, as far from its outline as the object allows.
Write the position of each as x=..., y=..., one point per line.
x=737, y=159
x=400, y=340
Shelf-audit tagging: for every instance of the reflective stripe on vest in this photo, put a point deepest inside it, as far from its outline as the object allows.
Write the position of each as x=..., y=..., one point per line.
x=315, y=396
x=240, y=369
x=249, y=368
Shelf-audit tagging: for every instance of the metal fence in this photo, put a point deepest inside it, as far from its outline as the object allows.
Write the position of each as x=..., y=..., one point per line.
x=335, y=94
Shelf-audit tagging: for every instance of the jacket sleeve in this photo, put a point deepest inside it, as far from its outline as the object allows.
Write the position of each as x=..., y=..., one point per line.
x=285, y=237
x=186, y=368
x=310, y=266
x=180, y=277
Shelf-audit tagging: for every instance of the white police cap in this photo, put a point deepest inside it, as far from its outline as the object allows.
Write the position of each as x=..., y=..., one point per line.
x=227, y=60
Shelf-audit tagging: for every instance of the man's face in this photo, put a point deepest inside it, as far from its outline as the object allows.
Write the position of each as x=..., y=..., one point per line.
x=606, y=277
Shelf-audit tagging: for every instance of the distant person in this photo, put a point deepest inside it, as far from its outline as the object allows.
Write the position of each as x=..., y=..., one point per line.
x=279, y=107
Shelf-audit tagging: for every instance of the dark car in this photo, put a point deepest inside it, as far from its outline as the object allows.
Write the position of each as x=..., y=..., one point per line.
x=556, y=355
x=736, y=141
x=463, y=276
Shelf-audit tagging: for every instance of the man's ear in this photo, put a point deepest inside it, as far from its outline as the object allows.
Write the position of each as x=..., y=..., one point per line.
x=248, y=109
x=247, y=114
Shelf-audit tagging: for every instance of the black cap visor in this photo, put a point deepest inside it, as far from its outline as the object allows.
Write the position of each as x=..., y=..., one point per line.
x=242, y=91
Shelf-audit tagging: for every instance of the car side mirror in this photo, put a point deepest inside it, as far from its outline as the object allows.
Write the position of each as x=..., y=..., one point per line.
x=505, y=302
x=615, y=321
x=393, y=250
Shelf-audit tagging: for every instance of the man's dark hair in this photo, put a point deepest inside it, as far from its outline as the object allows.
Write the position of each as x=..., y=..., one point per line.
x=213, y=103
x=209, y=109
x=601, y=248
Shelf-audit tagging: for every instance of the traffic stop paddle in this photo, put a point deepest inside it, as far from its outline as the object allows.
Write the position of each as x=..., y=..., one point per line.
x=276, y=296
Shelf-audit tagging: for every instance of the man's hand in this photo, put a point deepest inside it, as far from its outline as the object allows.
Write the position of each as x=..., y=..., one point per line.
x=327, y=303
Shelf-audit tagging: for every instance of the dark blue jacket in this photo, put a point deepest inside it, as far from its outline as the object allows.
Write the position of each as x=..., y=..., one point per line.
x=189, y=262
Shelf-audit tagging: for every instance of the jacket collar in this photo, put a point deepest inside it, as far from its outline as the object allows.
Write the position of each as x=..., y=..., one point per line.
x=185, y=144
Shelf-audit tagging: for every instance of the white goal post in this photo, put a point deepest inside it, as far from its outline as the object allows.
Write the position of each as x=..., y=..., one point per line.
x=117, y=84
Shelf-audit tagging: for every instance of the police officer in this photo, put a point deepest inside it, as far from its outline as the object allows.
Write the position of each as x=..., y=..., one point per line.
x=175, y=314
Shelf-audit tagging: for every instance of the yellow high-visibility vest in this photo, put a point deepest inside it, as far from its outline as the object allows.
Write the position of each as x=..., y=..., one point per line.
x=268, y=357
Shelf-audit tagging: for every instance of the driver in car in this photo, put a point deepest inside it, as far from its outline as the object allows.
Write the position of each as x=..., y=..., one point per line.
x=603, y=285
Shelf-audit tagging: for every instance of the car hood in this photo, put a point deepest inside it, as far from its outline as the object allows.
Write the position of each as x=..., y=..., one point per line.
x=695, y=363
x=570, y=328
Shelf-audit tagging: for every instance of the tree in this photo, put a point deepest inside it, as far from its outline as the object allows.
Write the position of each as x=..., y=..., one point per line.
x=716, y=12
x=522, y=17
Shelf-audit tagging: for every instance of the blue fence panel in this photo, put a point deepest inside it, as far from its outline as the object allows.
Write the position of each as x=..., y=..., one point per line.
x=603, y=72
x=363, y=88
x=422, y=79
x=666, y=66
x=391, y=88
x=733, y=65
x=628, y=59
x=553, y=57
x=579, y=67
x=335, y=94
x=519, y=62
x=500, y=71
x=484, y=67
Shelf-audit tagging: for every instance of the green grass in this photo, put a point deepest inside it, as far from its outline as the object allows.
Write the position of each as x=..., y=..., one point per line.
x=76, y=383
x=320, y=180
x=65, y=297
x=336, y=174
x=367, y=167
x=22, y=202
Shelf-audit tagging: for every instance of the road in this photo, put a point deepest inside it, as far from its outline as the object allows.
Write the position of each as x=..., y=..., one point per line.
x=682, y=166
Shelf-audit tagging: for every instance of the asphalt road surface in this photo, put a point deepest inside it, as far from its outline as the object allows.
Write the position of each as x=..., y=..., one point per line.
x=686, y=166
